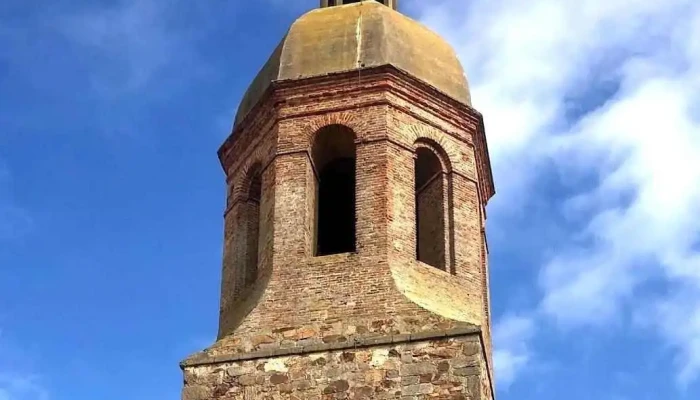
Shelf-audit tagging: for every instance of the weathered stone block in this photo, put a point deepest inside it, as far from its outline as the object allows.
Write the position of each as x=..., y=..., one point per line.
x=418, y=369
x=196, y=393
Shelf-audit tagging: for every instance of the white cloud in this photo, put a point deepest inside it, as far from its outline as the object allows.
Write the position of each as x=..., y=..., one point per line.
x=131, y=39
x=129, y=45
x=678, y=319
x=511, y=337
x=630, y=161
x=18, y=387
x=120, y=59
x=656, y=227
x=16, y=383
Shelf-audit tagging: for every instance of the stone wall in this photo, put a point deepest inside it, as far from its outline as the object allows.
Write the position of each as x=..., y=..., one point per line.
x=447, y=368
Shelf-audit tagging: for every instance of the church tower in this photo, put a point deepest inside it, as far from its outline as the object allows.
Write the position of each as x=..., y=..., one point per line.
x=354, y=257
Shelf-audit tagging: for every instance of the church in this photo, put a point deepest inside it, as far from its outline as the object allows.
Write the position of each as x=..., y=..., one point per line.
x=355, y=260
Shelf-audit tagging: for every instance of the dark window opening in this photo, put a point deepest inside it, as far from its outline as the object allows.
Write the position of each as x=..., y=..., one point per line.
x=430, y=209
x=252, y=228
x=336, y=207
x=334, y=158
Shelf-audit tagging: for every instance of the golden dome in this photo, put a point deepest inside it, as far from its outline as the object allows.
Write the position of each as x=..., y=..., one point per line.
x=359, y=35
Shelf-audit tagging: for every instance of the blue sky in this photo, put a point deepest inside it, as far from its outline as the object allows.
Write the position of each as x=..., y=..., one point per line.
x=111, y=196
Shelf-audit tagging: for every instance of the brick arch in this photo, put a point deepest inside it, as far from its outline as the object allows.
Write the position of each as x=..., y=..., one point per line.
x=436, y=149
x=345, y=119
x=253, y=176
x=314, y=134
x=249, y=226
x=433, y=199
x=424, y=136
x=333, y=155
x=317, y=140
x=241, y=183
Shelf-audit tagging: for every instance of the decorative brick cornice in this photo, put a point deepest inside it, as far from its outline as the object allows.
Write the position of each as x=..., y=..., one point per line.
x=385, y=79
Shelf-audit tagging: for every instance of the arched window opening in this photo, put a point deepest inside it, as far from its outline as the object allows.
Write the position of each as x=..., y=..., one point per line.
x=252, y=226
x=430, y=209
x=333, y=154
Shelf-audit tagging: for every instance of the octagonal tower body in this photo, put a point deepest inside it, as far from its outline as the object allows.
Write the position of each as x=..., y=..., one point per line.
x=355, y=258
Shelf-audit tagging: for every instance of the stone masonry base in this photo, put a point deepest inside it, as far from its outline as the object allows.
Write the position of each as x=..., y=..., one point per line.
x=441, y=367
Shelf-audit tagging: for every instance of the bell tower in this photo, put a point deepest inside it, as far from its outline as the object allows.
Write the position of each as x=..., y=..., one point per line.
x=354, y=256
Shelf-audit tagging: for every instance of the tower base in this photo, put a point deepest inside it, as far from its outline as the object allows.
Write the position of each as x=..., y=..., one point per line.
x=429, y=365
